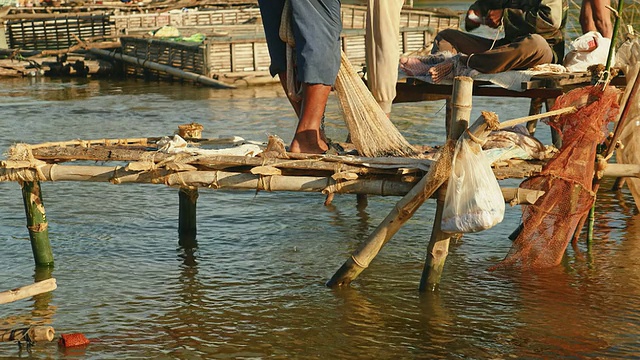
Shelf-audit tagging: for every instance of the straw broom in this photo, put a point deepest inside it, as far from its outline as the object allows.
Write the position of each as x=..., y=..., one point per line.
x=371, y=131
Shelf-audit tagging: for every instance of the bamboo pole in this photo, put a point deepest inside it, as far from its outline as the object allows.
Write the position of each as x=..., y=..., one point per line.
x=30, y=334
x=405, y=208
x=403, y=211
x=159, y=67
x=27, y=291
x=243, y=181
x=438, y=248
x=514, y=122
x=37, y=223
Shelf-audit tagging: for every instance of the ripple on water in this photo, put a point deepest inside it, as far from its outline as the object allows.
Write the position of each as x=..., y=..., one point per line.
x=252, y=285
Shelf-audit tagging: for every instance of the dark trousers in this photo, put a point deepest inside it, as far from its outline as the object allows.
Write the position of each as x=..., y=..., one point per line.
x=519, y=54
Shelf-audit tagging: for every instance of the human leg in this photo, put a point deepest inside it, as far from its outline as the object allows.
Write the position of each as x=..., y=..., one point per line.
x=271, y=13
x=382, y=49
x=456, y=41
x=523, y=53
x=595, y=16
x=308, y=138
x=316, y=28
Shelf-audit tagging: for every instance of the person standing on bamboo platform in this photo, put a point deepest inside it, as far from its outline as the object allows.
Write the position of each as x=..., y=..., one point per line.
x=533, y=35
x=383, y=50
x=595, y=16
x=316, y=26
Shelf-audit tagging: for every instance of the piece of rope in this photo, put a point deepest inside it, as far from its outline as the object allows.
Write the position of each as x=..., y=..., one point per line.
x=474, y=138
x=214, y=183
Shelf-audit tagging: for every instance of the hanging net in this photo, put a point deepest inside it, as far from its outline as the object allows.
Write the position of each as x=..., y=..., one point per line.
x=567, y=180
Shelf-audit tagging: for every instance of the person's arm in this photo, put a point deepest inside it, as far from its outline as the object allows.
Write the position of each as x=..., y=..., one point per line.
x=545, y=18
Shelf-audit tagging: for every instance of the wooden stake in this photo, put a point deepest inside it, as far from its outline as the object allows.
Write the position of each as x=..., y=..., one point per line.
x=187, y=224
x=437, y=251
x=403, y=211
x=188, y=196
x=407, y=206
x=27, y=291
x=438, y=248
x=37, y=223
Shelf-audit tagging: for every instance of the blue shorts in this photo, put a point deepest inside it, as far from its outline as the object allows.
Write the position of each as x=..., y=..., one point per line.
x=316, y=28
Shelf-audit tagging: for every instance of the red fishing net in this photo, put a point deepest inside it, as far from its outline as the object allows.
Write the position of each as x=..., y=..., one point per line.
x=567, y=180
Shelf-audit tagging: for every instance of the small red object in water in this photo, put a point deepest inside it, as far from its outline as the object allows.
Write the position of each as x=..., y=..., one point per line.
x=75, y=339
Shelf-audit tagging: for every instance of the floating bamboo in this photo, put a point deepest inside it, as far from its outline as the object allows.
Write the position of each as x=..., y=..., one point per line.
x=30, y=335
x=28, y=291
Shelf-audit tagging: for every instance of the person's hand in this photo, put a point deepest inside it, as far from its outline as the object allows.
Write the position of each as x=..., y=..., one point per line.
x=473, y=20
x=493, y=18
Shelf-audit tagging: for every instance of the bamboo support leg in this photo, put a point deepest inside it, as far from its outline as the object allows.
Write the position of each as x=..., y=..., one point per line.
x=362, y=201
x=438, y=248
x=437, y=252
x=188, y=196
x=403, y=211
x=556, y=140
x=187, y=226
x=37, y=223
x=535, y=107
x=409, y=204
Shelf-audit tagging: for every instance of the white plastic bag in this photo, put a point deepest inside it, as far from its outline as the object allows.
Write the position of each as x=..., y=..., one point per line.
x=474, y=201
x=586, y=50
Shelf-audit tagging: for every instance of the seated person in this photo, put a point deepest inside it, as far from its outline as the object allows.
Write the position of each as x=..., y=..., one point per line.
x=533, y=35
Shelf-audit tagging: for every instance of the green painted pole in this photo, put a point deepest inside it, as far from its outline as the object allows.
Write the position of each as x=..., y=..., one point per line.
x=616, y=26
x=37, y=223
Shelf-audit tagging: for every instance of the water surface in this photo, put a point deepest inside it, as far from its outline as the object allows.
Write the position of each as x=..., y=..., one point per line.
x=254, y=286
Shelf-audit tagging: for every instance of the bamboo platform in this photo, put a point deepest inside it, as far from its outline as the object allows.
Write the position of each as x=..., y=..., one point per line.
x=206, y=164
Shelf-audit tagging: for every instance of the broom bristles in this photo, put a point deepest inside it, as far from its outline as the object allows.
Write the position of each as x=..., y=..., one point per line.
x=372, y=133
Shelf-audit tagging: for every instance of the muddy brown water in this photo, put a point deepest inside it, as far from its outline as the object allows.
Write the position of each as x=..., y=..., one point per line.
x=254, y=286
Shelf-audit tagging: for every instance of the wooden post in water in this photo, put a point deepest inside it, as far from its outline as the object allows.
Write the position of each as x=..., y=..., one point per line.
x=438, y=249
x=405, y=208
x=37, y=223
x=188, y=196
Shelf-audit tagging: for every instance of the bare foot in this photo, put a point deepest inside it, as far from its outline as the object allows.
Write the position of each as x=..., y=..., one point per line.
x=441, y=71
x=308, y=142
x=413, y=66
